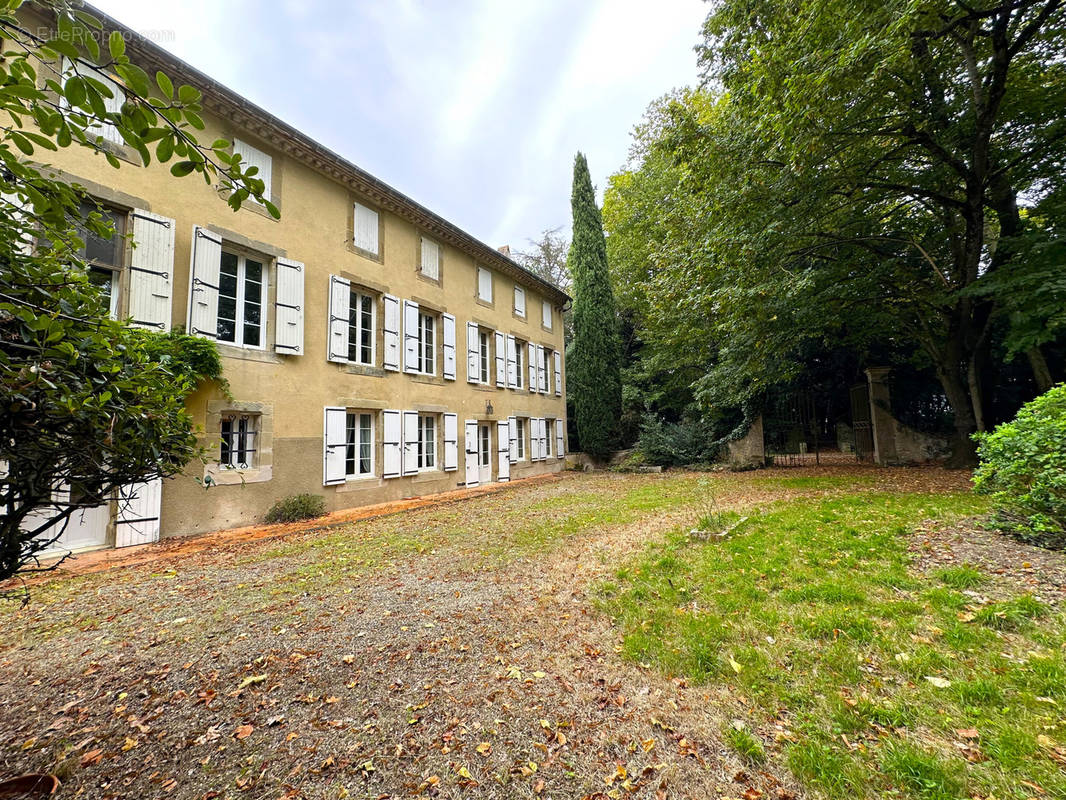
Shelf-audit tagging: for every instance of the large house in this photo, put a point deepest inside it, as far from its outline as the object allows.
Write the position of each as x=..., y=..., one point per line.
x=374, y=351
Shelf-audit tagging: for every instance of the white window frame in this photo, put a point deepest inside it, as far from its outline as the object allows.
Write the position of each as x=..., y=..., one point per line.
x=423, y=318
x=520, y=307
x=358, y=414
x=484, y=361
x=521, y=425
x=251, y=430
x=546, y=314
x=520, y=363
x=365, y=246
x=434, y=273
x=484, y=281
x=358, y=296
x=549, y=434
x=238, y=323
x=425, y=421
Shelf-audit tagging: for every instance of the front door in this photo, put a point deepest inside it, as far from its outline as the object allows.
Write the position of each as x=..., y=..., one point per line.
x=484, y=453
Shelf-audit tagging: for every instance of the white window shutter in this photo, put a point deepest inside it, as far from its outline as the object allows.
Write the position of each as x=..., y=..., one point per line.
x=470, y=446
x=391, y=333
x=151, y=273
x=484, y=284
x=560, y=438
x=546, y=314
x=519, y=301
x=448, y=334
x=137, y=521
x=203, y=283
x=252, y=156
x=339, y=301
x=558, y=373
x=410, y=336
x=501, y=359
x=534, y=439
x=391, y=444
x=542, y=373
x=366, y=229
x=503, y=451
x=451, y=442
x=531, y=361
x=334, y=421
x=473, y=353
x=512, y=439
x=289, y=319
x=430, y=259
x=410, y=442
x=512, y=363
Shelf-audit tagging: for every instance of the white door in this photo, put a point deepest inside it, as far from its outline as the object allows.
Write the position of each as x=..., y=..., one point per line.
x=86, y=527
x=138, y=513
x=484, y=453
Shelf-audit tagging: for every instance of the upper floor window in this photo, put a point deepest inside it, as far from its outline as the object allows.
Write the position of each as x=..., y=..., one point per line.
x=359, y=444
x=242, y=287
x=520, y=362
x=484, y=285
x=427, y=441
x=427, y=327
x=484, y=355
x=546, y=314
x=361, y=312
x=104, y=255
x=366, y=229
x=254, y=157
x=519, y=301
x=430, y=266
x=113, y=104
x=238, y=440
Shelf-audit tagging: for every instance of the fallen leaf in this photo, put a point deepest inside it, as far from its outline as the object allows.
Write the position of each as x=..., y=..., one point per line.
x=938, y=682
x=251, y=680
x=243, y=732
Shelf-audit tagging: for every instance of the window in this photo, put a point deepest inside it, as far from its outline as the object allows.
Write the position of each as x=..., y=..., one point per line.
x=546, y=356
x=103, y=255
x=520, y=427
x=238, y=433
x=484, y=285
x=241, y=295
x=426, y=338
x=548, y=430
x=427, y=441
x=483, y=337
x=519, y=301
x=546, y=314
x=254, y=157
x=359, y=445
x=361, y=328
x=430, y=266
x=520, y=362
x=366, y=229
x=97, y=127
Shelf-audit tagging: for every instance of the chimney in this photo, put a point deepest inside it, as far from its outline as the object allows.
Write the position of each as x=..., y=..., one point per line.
x=505, y=249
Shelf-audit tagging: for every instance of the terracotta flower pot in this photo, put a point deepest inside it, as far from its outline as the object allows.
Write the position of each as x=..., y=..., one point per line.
x=28, y=786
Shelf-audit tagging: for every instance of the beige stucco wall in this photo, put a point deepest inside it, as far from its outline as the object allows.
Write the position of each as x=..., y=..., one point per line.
x=315, y=228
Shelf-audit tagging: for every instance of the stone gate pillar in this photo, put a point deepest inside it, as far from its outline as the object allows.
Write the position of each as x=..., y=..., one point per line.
x=882, y=426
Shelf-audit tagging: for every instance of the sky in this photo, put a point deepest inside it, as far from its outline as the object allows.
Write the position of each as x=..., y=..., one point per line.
x=474, y=108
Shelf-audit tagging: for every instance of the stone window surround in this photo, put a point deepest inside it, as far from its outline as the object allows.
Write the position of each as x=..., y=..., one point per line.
x=264, y=468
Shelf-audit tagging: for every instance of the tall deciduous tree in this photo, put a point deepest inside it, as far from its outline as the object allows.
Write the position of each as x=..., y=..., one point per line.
x=89, y=403
x=594, y=356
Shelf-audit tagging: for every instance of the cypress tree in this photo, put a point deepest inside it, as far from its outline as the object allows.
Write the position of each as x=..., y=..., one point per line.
x=594, y=379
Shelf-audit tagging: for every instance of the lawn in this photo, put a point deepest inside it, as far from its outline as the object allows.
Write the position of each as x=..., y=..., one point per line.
x=834, y=656
x=561, y=639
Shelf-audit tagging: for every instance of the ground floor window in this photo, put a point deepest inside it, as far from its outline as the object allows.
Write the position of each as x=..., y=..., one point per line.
x=359, y=444
x=238, y=440
x=549, y=432
x=520, y=427
x=427, y=441
x=107, y=281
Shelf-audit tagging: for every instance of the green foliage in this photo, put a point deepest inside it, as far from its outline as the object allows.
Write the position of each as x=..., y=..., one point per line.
x=593, y=359
x=745, y=744
x=297, y=507
x=1023, y=469
x=668, y=444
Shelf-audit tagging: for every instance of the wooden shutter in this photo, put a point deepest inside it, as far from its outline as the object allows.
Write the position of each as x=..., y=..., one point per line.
x=531, y=362
x=289, y=319
x=410, y=336
x=430, y=259
x=254, y=157
x=151, y=273
x=542, y=429
x=366, y=229
x=503, y=451
x=410, y=442
x=542, y=373
x=560, y=438
x=520, y=301
x=512, y=363
x=512, y=439
x=391, y=444
x=391, y=333
x=473, y=353
x=470, y=446
x=448, y=334
x=451, y=442
x=484, y=284
x=558, y=373
x=138, y=513
x=203, y=283
x=339, y=301
x=546, y=314
x=334, y=442
x=501, y=359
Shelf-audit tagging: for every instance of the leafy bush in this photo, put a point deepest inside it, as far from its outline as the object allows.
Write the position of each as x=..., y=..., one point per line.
x=296, y=507
x=1023, y=468
x=669, y=444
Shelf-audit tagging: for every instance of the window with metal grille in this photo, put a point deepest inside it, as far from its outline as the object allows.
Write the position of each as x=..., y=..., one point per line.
x=239, y=440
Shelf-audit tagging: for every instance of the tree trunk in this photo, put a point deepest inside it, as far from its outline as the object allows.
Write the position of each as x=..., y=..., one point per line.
x=1041, y=371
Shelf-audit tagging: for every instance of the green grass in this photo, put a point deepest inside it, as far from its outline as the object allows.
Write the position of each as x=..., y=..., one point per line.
x=812, y=614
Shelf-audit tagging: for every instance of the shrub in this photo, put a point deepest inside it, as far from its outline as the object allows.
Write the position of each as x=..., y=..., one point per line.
x=669, y=444
x=296, y=507
x=1023, y=468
